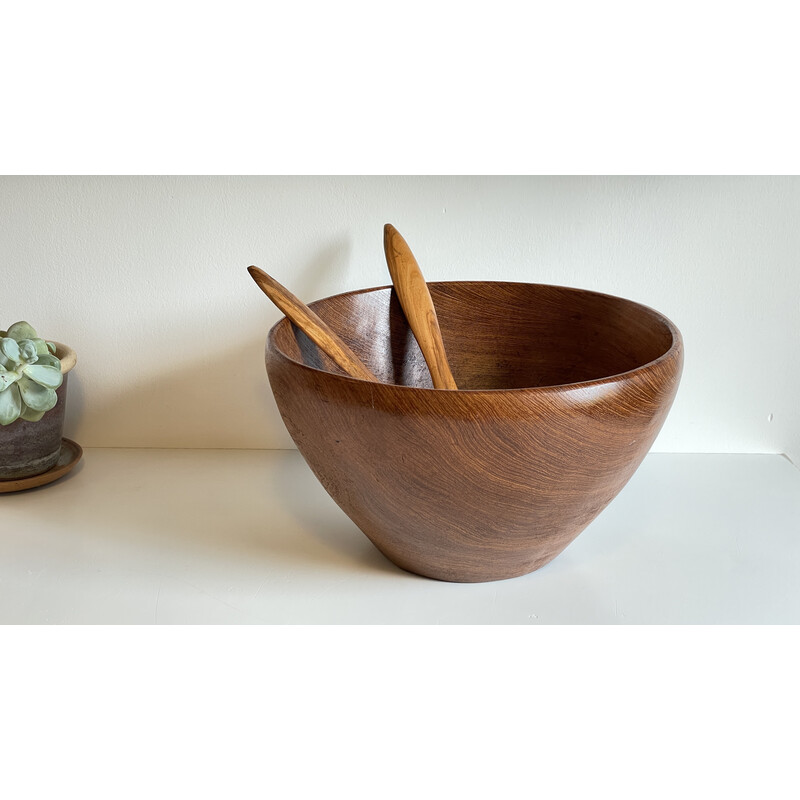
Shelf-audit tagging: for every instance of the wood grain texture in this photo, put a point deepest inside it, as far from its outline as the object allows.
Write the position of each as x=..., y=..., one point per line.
x=562, y=393
x=415, y=299
x=311, y=325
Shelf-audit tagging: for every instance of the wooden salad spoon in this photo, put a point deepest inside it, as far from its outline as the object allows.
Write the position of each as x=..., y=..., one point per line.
x=415, y=298
x=315, y=328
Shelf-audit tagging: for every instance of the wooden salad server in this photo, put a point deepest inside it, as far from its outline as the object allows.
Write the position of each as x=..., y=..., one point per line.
x=313, y=327
x=415, y=299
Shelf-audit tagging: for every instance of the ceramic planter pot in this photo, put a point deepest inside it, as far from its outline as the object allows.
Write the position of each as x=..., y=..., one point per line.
x=562, y=392
x=31, y=448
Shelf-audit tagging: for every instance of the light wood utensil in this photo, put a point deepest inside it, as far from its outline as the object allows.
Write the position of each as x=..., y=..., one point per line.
x=415, y=299
x=313, y=327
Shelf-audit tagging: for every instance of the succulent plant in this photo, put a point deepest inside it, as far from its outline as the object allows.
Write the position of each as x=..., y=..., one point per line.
x=30, y=373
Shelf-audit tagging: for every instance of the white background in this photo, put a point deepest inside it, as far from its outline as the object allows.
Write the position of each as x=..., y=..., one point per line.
x=146, y=278
x=427, y=88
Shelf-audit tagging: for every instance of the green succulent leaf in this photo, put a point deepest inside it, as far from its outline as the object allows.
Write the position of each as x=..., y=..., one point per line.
x=10, y=349
x=22, y=330
x=39, y=398
x=30, y=372
x=7, y=378
x=30, y=415
x=50, y=361
x=27, y=351
x=10, y=405
x=49, y=377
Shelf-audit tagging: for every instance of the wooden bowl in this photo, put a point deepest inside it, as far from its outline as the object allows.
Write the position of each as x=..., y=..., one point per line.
x=562, y=393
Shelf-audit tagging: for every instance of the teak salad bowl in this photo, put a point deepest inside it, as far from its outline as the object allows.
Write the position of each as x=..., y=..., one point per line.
x=561, y=394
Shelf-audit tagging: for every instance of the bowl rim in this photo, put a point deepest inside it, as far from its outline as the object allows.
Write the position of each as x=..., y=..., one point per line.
x=672, y=351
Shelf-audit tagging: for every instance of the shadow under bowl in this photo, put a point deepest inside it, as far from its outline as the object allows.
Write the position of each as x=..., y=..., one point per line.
x=562, y=392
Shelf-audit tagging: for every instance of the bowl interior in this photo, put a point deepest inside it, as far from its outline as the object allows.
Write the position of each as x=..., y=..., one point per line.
x=497, y=335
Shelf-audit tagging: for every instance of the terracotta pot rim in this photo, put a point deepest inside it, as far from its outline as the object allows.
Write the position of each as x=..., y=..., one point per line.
x=673, y=351
x=66, y=355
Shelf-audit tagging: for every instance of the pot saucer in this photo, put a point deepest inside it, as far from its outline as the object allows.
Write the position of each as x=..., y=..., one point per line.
x=70, y=455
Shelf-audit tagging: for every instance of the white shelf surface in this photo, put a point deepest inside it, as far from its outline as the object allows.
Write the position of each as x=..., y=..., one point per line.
x=249, y=536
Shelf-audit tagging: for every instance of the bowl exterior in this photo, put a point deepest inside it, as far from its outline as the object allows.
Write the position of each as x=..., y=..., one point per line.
x=474, y=485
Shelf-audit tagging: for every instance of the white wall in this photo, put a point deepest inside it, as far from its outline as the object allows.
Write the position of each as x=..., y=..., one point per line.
x=145, y=278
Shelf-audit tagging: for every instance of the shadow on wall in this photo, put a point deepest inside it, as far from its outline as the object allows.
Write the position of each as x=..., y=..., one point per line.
x=216, y=395
x=76, y=403
x=317, y=279
x=219, y=402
